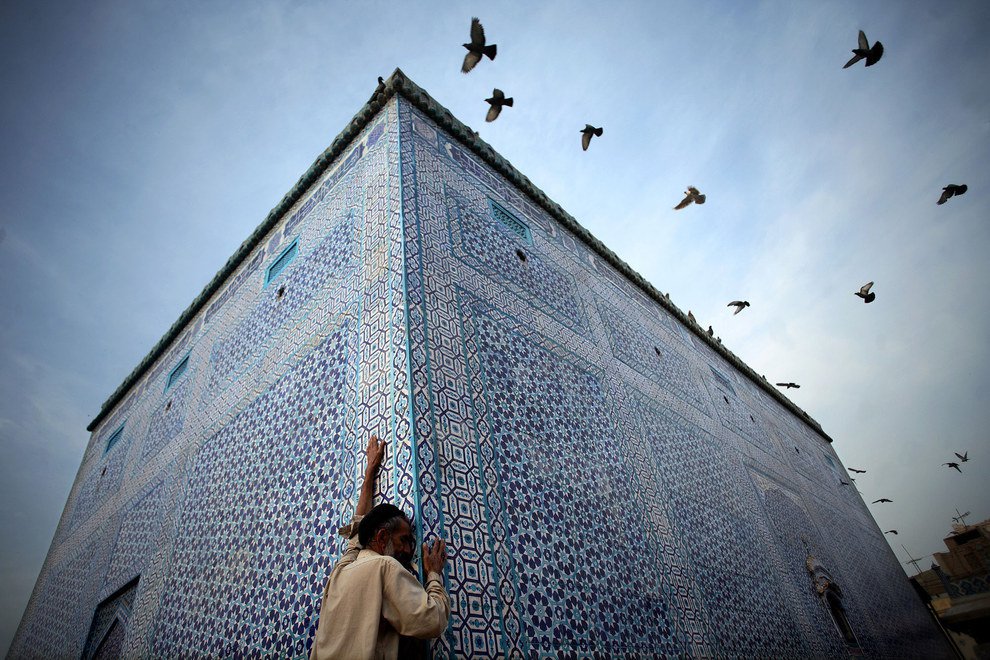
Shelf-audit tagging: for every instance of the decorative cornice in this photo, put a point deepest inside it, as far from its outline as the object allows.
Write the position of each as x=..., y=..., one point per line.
x=399, y=83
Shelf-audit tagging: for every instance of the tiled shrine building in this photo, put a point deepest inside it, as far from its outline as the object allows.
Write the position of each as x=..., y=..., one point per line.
x=610, y=479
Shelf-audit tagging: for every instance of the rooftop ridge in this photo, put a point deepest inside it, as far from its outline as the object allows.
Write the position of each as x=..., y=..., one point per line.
x=399, y=83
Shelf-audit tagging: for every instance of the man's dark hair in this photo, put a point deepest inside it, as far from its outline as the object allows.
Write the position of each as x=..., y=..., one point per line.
x=383, y=515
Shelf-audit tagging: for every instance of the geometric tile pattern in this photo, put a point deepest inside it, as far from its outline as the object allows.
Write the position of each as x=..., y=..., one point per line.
x=57, y=627
x=609, y=486
x=280, y=301
x=101, y=480
x=263, y=499
x=138, y=538
x=166, y=422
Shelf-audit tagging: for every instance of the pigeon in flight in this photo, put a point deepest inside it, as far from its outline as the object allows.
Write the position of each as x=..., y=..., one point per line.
x=881, y=500
x=951, y=190
x=872, y=54
x=962, y=457
x=789, y=385
x=692, y=195
x=477, y=47
x=954, y=465
x=740, y=305
x=891, y=531
x=497, y=101
x=587, y=132
x=856, y=471
x=864, y=293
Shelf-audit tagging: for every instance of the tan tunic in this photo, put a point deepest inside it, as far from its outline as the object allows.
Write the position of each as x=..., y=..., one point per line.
x=370, y=600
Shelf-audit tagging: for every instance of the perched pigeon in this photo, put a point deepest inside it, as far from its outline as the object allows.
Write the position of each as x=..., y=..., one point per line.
x=954, y=465
x=872, y=55
x=691, y=317
x=856, y=471
x=891, y=531
x=864, y=293
x=381, y=85
x=477, y=47
x=692, y=195
x=881, y=500
x=740, y=305
x=950, y=191
x=789, y=385
x=962, y=457
x=711, y=333
x=587, y=132
x=497, y=101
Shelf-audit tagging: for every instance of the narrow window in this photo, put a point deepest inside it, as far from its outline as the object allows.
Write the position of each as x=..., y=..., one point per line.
x=114, y=438
x=177, y=373
x=511, y=222
x=722, y=378
x=283, y=260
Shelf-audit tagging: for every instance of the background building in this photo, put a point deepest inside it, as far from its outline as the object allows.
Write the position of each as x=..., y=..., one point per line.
x=610, y=478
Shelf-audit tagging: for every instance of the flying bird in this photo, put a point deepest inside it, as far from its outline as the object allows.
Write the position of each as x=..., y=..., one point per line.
x=497, y=101
x=740, y=305
x=954, y=465
x=789, y=385
x=856, y=471
x=962, y=457
x=864, y=293
x=692, y=195
x=881, y=500
x=872, y=54
x=477, y=47
x=587, y=132
x=891, y=531
x=951, y=190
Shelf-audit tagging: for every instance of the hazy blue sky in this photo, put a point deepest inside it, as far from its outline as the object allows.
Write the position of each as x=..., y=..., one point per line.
x=143, y=141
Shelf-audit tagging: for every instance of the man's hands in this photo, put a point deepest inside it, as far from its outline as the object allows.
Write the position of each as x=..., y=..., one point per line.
x=435, y=558
x=375, y=453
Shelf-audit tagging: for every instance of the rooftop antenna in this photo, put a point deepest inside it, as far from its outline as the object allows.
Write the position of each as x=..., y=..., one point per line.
x=912, y=560
x=960, y=517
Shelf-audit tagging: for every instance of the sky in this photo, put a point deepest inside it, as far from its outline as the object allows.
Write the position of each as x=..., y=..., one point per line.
x=144, y=141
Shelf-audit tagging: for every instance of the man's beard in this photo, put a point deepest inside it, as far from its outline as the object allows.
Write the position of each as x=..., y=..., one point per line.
x=403, y=558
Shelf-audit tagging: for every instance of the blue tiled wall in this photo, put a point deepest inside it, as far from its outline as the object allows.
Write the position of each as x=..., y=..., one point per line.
x=612, y=485
x=609, y=484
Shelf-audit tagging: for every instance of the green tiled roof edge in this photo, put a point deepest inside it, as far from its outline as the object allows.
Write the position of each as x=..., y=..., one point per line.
x=399, y=83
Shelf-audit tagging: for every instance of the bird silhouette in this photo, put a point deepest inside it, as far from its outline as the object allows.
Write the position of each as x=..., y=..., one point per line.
x=951, y=190
x=962, y=457
x=691, y=317
x=711, y=333
x=740, y=305
x=587, y=132
x=872, y=54
x=789, y=385
x=856, y=471
x=954, y=465
x=497, y=101
x=864, y=293
x=881, y=500
x=891, y=531
x=381, y=85
x=477, y=47
x=691, y=195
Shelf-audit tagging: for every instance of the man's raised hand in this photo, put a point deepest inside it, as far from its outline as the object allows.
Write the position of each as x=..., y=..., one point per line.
x=375, y=453
x=435, y=558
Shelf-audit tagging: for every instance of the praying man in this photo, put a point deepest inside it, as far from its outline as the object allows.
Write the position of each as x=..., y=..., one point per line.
x=373, y=604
